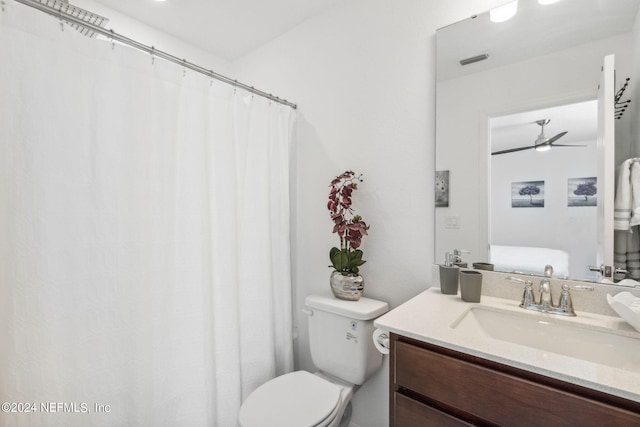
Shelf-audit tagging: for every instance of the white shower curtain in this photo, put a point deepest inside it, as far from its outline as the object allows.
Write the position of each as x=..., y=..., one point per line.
x=144, y=235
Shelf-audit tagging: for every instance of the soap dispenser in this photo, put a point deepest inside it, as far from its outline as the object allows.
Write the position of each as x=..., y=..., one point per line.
x=449, y=275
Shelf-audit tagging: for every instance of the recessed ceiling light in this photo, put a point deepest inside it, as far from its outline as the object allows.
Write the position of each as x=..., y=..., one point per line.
x=504, y=13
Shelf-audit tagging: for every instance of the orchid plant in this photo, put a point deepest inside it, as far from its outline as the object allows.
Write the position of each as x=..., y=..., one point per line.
x=350, y=228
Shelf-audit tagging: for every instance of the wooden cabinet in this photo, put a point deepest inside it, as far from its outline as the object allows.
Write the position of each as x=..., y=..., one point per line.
x=411, y=412
x=434, y=386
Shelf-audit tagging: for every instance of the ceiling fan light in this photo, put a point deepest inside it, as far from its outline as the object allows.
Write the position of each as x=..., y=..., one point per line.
x=543, y=147
x=504, y=12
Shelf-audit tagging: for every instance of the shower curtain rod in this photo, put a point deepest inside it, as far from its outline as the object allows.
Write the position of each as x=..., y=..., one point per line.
x=150, y=50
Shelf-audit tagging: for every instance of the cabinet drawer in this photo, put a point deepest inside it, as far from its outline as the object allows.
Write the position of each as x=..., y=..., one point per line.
x=410, y=413
x=495, y=396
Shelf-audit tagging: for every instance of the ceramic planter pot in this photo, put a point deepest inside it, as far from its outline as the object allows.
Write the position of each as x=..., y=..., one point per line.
x=347, y=287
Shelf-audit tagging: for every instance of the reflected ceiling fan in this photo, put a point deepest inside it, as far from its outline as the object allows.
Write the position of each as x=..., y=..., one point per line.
x=542, y=143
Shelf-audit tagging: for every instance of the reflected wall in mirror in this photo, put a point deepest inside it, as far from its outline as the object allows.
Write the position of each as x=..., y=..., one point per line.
x=567, y=232
x=544, y=60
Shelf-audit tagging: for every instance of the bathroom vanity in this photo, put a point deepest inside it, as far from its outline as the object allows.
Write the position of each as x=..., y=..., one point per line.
x=493, y=363
x=450, y=366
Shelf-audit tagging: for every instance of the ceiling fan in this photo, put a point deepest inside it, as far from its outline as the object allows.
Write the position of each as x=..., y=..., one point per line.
x=542, y=143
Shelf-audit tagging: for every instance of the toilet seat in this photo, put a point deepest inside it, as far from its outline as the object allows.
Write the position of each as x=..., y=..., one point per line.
x=292, y=400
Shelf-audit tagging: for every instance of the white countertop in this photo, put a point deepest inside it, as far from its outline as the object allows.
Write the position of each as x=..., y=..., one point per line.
x=430, y=317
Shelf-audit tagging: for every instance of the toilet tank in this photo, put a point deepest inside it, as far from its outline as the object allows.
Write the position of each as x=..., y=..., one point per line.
x=340, y=336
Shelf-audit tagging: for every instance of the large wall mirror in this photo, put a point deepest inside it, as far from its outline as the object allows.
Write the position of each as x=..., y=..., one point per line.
x=500, y=85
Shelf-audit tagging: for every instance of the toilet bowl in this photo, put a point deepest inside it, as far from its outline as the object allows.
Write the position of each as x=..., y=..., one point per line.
x=341, y=347
x=297, y=399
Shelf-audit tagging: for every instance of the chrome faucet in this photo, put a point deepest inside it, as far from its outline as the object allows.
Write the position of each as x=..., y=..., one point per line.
x=565, y=305
x=546, y=299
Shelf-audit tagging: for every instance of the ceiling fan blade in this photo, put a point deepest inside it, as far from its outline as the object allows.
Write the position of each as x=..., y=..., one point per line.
x=549, y=142
x=555, y=138
x=511, y=150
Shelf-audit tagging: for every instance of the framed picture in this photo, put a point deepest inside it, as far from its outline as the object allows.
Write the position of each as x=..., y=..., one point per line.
x=582, y=191
x=527, y=194
x=442, y=189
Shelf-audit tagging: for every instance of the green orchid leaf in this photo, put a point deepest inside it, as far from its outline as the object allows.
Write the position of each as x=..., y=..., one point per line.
x=340, y=261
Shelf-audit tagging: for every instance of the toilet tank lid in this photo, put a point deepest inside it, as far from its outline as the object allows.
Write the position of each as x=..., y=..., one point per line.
x=363, y=309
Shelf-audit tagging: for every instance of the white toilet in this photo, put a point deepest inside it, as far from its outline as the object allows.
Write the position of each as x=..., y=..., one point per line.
x=341, y=344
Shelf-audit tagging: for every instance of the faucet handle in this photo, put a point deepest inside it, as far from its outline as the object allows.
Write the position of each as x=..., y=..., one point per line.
x=565, y=305
x=528, y=298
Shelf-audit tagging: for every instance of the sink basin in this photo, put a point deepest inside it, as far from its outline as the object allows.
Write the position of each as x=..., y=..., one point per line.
x=537, y=331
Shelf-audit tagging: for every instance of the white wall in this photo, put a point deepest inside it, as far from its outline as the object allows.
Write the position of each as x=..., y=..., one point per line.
x=150, y=36
x=363, y=75
x=556, y=226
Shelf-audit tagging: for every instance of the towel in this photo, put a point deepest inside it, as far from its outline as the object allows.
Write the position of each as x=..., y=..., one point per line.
x=626, y=220
x=635, y=193
x=623, y=202
x=620, y=244
x=626, y=253
x=633, y=254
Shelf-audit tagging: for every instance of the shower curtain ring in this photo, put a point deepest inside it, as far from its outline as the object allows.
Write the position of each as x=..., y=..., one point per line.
x=60, y=17
x=2, y=4
x=184, y=67
x=113, y=42
x=153, y=57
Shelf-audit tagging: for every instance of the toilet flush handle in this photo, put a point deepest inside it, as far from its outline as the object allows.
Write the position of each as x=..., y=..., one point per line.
x=307, y=312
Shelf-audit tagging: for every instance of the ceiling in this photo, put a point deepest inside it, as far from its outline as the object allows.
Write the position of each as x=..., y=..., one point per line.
x=228, y=29
x=579, y=120
x=534, y=31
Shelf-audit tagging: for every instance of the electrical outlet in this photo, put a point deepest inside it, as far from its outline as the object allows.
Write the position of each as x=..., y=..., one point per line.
x=452, y=222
